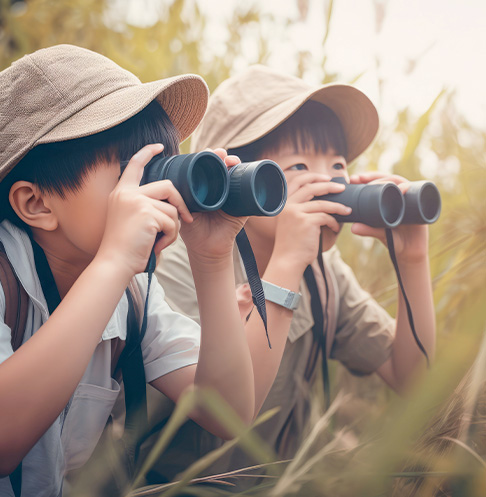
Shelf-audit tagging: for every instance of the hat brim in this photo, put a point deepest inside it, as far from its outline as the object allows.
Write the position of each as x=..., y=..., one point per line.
x=184, y=99
x=353, y=108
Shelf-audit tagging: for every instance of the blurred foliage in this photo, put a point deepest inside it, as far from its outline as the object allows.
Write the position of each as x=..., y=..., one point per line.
x=433, y=442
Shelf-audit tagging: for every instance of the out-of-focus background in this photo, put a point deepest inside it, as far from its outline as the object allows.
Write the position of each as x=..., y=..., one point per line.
x=422, y=62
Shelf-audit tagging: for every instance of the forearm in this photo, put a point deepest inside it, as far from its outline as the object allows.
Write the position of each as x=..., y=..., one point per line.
x=224, y=359
x=406, y=356
x=266, y=361
x=37, y=381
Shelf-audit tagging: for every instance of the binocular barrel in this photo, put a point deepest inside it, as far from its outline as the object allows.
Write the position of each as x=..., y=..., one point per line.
x=248, y=189
x=422, y=203
x=379, y=205
x=383, y=205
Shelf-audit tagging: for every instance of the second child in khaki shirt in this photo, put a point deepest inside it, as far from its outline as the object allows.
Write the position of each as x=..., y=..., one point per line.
x=312, y=133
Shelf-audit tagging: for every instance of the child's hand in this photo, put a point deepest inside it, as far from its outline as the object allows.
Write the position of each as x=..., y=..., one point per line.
x=135, y=215
x=299, y=224
x=212, y=234
x=410, y=241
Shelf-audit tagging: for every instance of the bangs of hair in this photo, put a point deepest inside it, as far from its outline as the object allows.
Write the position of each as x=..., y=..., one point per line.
x=62, y=166
x=313, y=128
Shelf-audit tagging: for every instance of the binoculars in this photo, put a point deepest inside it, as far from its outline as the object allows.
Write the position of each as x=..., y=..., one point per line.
x=384, y=206
x=248, y=189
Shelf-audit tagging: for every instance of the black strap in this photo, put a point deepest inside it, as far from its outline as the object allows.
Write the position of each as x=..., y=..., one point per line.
x=319, y=329
x=16, y=480
x=251, y=268
x=391, y=250
x=46, y=278
x=133, y=372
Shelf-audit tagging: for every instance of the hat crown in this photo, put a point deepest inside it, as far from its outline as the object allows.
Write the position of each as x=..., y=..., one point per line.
x=250, y=105
x=41, y=90
x=241, y=99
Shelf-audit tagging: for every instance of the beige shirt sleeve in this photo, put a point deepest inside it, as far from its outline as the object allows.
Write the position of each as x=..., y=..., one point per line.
x=365, y=331
x=174, y=274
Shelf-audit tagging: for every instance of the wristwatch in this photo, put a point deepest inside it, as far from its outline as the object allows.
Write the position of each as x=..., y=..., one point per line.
x=281, y=296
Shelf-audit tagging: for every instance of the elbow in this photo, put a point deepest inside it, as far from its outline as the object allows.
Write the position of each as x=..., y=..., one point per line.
x=239, y=424
x=8, y=464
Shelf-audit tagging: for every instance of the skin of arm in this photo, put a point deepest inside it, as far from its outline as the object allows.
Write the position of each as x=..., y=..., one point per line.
x=61, y=350
x=411, y=248
x=37, y=381
x=282, y=265
x=224, y=362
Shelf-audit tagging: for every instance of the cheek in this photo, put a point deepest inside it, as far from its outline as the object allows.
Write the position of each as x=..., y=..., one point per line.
x=84, y=222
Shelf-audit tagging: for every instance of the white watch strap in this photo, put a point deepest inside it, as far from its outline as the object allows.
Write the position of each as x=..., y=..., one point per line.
x=281, y=296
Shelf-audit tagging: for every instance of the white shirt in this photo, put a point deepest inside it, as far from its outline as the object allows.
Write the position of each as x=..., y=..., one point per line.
x=171, y=342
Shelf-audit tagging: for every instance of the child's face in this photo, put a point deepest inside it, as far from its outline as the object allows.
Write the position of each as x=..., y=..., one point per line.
x=294, y=164
x=82, y=214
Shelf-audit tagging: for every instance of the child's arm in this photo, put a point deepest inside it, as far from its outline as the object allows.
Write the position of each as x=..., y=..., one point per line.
x=296, y=246
x=411, y=248
x=37, y=381
x=224, y=358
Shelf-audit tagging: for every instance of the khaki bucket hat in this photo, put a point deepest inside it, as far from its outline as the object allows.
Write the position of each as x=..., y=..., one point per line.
x=248, y=106
x=65, y=92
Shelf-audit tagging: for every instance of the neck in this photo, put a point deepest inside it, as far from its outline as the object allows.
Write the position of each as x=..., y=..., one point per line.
x=64, y=270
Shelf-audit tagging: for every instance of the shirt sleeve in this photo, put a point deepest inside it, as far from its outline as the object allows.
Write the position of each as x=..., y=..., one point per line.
x=172, y=340
x=365, y=331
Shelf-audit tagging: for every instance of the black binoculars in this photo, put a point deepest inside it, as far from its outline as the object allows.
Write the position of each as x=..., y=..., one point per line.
x=248, y=189
x=384, y=206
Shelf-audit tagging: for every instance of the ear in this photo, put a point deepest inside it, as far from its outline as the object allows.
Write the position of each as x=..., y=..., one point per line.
x=32, y=206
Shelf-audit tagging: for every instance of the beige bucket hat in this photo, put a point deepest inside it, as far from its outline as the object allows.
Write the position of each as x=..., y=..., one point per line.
x=248, y=106
x=65, y=92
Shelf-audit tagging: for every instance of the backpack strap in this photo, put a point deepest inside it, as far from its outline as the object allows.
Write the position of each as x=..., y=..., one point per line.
x=16, y=300
x=16, y=309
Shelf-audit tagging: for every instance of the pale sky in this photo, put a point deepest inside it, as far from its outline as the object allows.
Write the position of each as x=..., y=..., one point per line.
x=448, y=37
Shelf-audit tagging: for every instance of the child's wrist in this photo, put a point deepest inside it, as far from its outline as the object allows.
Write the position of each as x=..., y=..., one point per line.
x=412, y=261
x=210, y=263
x=108, y=267
x=284, y=273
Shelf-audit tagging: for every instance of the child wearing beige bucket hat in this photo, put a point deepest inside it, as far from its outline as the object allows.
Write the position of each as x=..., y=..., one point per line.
x=312, y=133
x=76, y=234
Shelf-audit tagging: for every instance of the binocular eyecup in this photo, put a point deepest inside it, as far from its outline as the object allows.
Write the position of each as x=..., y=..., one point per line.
x=248, y=189
x=422, y=203
x=383, y=205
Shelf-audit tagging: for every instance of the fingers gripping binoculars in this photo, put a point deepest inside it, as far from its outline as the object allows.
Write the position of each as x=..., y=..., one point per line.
x=248, y=189
x=384, y=206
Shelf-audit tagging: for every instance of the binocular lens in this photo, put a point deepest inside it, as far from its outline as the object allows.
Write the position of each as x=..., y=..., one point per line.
x=268, y=188
x=391, y=204
x=429, y=200
x=256, y=188
x=422, y=203
x=208, y=181
x=249, y=189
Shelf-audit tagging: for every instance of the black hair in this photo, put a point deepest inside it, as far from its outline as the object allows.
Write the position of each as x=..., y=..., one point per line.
x=62, y=166
x=314, y=127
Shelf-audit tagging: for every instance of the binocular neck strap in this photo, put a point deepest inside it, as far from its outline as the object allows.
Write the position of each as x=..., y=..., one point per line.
x=251, y=268
x=391, y=250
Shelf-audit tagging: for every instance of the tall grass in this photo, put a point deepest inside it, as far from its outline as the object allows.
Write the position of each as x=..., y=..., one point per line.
x=370, y=443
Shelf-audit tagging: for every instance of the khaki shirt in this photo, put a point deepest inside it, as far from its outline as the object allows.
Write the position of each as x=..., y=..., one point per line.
x=362, y=342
